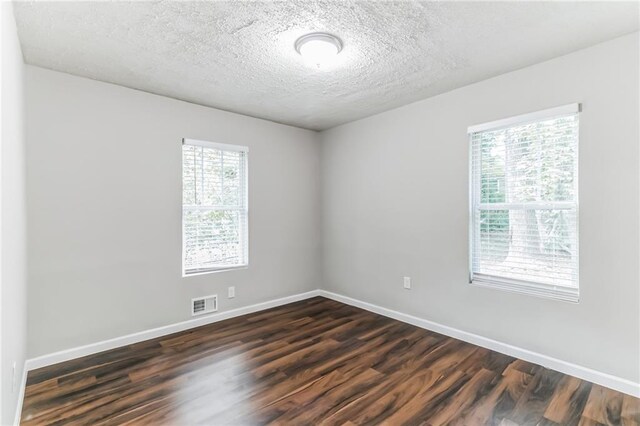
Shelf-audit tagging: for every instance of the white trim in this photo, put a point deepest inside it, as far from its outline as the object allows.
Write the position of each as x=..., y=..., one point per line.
x=105, y=345
x=604, y=379
x=534, y=205
x=206, y=271
x=215, y=145
x=525, y=118
x=610, y=381
x=538, y=289
x=23, y=387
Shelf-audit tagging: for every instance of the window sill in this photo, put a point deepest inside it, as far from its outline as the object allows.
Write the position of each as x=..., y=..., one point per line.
x=213, y=270
x=546, y=291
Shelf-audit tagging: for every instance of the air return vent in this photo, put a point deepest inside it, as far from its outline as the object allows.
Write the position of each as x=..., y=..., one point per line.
x=204, y=305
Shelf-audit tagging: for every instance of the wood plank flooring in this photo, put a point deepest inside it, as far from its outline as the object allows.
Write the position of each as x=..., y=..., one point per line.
x=314, y=362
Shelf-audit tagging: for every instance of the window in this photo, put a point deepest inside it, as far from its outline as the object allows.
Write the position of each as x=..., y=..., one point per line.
x=524, y=203
x=214, y=207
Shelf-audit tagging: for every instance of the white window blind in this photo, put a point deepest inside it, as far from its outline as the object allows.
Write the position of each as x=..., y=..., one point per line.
x=524, y=203
x=214, y=206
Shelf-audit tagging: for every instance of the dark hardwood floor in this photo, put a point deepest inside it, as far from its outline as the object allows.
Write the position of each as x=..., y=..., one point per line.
x=311, y=362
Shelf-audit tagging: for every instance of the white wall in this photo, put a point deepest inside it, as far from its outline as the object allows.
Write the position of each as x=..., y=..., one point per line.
x=104, y=188
x=13, y=274
x=395, y=203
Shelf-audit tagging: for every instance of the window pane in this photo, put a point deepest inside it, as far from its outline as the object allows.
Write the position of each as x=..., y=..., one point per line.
x=214, y=208
x=529, y=245
x=531, y=162
x=492, y=180
x=213, y=238
x=212, y=183
x=524, y=201
x=189, y=174
x=232, y=193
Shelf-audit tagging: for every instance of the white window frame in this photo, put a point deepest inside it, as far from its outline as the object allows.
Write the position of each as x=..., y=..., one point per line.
x=565, y=293
x=223, y=268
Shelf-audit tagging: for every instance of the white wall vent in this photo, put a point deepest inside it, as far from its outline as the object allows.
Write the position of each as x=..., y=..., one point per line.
x=204, y=305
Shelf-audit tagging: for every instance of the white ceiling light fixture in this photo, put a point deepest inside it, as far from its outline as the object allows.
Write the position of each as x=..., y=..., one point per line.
x=319, y=49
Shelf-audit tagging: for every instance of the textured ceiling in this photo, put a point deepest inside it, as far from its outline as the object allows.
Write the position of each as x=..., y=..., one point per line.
x=239, y=56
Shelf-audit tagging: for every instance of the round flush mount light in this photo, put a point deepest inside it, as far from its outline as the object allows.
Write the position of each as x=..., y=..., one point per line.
x=319, y=48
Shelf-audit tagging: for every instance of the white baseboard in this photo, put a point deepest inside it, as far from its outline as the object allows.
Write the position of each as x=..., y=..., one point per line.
x=613, y=382
x=80, y=351
x=23, y=386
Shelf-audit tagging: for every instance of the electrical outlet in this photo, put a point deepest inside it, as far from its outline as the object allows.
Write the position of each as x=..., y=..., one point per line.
x=232, y=292
x=407, y=283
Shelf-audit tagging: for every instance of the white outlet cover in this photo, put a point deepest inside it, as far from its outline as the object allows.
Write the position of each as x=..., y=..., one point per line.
x=407, y=283
x=232, y=292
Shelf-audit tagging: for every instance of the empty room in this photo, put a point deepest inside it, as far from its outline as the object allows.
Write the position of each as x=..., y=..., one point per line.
x=320, y=213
